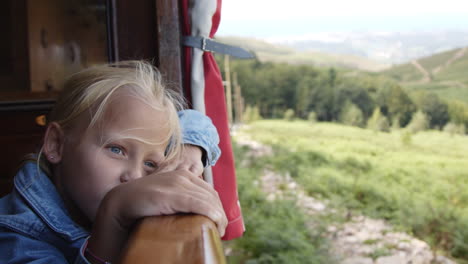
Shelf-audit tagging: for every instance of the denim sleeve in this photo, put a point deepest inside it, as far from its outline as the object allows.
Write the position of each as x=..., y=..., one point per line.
x=18, y=249
x=80, y=259
x=197, y=129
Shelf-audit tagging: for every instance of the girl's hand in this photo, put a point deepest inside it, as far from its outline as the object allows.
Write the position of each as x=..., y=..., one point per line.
x=156, y=194
x=190, y=159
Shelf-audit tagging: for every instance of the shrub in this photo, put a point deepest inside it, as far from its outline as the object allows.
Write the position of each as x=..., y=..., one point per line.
x=289, y=115
x=312, y=117
x=453, y=128
x=419, y=122
x=441, y=226
x=396, y=123
x=351, y=115
x=406, y=138
x=276, y=231
x=378, y=121
x=251, y=114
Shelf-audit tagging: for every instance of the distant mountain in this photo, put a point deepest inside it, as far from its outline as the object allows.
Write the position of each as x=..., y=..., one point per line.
x=384, y=47
x=266, y=51
x=444, y=73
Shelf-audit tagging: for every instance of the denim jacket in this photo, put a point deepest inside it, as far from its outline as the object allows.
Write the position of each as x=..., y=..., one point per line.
x=198, y=130
x=34, y=223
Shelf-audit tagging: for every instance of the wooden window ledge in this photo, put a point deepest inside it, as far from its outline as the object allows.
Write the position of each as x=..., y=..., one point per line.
x=187, y=238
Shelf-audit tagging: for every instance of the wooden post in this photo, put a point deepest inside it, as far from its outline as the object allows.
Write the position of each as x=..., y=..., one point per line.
x=168, y=35
x=227, y=76
x=238, y=109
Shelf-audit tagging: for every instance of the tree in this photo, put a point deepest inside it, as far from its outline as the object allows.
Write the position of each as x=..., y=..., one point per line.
x=351, y=90
x=332, y=77
x=321, y=99
x=378, y=121
x=458, y=112
x=394, y=102
x=351, y=115
x=304, y=86
x=434, y=108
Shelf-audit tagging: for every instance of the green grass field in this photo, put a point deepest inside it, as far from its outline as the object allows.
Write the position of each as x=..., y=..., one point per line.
x=419, y=182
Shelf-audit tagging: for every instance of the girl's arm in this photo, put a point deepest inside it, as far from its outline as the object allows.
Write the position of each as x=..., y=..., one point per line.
x=156, y=194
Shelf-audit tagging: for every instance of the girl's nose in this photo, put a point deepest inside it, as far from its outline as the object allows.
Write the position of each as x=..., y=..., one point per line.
x=131, y=174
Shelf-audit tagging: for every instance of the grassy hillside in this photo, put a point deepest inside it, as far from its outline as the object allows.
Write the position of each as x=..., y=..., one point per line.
x=445, y=74
x=418, y=181
x=277, y=53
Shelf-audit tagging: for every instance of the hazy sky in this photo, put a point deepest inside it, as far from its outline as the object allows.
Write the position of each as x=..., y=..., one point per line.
x=279, y=18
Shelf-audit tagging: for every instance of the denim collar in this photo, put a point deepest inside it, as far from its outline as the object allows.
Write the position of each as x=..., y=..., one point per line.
x=41, y=194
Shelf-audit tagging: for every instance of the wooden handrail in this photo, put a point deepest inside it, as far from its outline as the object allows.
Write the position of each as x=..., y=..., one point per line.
x=188, y=239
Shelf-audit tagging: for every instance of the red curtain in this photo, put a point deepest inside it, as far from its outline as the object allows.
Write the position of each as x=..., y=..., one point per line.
x=224, y=175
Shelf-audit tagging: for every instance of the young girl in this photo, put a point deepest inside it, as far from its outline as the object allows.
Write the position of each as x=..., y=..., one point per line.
x=112, y=154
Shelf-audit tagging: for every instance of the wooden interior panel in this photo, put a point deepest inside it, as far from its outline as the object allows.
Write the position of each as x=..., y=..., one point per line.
x=64, y=37
x=150, y=30
x=14, y=66
x=136, y=30
x=21, y=134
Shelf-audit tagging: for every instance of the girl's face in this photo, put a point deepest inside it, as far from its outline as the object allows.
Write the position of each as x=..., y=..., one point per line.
x=113, y=152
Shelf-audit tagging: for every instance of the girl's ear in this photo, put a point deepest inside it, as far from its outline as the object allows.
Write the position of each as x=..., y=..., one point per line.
x=53, y=143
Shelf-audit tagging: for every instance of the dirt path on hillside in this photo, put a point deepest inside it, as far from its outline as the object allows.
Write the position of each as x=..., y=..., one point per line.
x=455, y=57
x=361, y=240
x=426, y=75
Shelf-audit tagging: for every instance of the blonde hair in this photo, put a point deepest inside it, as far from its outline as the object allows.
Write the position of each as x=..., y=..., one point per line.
x=91, y=89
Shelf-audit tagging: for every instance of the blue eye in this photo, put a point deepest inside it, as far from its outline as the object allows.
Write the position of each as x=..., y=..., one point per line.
x=150, y=164
x=116, y=150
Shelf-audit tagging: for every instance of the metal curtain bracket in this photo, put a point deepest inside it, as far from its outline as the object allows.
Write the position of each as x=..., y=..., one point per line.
x=209, y=45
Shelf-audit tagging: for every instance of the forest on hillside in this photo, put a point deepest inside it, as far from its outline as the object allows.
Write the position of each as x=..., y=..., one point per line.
x=272, y=90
